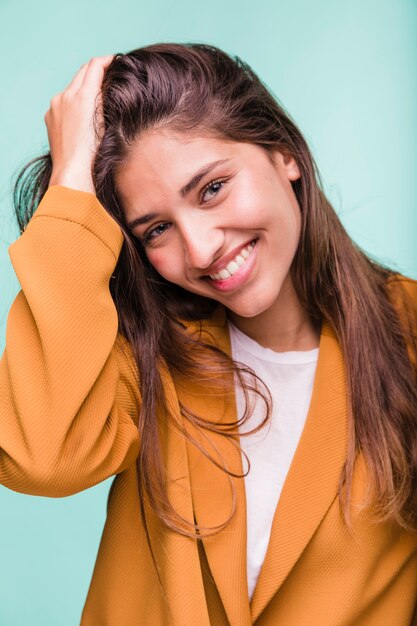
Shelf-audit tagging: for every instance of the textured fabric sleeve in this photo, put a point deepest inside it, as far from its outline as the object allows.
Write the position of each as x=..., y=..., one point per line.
x=66, y=412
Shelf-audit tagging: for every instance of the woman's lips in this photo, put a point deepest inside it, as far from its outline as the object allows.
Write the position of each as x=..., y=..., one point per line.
x=226, y=259
x=233, y=265
x=239, y=275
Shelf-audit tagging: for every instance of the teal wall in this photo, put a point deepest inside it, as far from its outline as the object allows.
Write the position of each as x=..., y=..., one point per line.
x=347, y=74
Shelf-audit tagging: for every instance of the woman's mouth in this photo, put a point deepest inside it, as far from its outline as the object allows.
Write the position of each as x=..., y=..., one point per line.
x=236, y=271
x=232, y=267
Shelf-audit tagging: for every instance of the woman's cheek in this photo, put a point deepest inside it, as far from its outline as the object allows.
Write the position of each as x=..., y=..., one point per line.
x=161, y=263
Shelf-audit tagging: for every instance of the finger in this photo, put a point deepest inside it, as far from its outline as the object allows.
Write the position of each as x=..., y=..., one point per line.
x=95, y=70
x=78, y=79
x=52, y=105
x=79, y=76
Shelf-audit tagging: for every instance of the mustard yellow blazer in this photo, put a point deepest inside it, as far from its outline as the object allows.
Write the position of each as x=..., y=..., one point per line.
x=68, y=421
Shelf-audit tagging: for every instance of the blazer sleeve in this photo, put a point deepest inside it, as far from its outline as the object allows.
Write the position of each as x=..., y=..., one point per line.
x=68, y=398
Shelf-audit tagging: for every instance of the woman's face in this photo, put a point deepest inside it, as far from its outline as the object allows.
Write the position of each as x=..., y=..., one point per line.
x=217, y=218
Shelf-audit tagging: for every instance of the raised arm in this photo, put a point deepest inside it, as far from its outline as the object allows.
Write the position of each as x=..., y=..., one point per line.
x=68, y=395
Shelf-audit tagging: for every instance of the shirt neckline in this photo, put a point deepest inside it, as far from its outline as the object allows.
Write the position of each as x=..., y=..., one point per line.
x=294, y=357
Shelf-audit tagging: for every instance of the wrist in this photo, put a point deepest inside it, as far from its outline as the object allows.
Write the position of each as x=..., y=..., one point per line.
x=73, y=180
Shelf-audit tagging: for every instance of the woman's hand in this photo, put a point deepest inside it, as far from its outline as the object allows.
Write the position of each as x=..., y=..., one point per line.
x=70, y=125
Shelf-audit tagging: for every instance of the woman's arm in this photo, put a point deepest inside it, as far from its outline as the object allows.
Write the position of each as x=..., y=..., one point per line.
x=66, y=414
x=68, y=397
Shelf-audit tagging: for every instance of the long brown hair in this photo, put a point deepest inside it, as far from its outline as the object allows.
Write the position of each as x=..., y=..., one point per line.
x=197, y=87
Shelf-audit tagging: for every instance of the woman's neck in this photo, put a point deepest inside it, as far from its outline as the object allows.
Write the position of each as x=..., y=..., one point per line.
x=284, y=327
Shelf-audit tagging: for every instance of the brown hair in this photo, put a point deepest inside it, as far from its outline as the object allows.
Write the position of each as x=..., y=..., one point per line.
x=197, y=87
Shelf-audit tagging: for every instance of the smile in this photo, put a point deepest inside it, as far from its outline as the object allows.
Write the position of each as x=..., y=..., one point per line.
x=233, y=265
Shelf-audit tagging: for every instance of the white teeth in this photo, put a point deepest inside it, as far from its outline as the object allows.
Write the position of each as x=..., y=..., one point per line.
x=234, y=265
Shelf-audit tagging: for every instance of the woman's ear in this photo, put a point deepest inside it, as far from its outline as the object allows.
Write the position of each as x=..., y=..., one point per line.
x=288, y=165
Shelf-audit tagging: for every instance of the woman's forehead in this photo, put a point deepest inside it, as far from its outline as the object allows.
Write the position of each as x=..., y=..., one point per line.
x=158, y=145
x=171, y=160
x=165, y=154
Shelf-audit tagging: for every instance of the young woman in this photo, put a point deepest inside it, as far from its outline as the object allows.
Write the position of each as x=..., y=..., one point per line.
x=194, y=318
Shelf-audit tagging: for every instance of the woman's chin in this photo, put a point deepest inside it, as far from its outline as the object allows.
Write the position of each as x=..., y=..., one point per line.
x=257, y=301
x=249, y=309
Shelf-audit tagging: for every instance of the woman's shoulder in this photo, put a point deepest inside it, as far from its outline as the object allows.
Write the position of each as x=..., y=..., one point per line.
x=403, y=291
x=396, y=279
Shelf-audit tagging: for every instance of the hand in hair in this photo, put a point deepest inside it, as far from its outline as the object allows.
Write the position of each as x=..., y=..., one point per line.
x=72, y=122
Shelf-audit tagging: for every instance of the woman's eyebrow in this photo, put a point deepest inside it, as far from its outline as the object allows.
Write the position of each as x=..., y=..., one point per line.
x=206, y=169
x=142, y=220
x=199, y=175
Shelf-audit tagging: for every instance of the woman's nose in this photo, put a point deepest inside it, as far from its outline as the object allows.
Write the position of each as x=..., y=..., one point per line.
x=202, y=245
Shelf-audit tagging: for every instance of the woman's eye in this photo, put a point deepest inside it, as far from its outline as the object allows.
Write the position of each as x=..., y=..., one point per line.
x=156, y=232
x=212, y=189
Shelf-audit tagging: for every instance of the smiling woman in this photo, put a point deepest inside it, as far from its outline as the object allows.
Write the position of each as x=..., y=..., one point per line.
x=196, y=321
x=194, y=233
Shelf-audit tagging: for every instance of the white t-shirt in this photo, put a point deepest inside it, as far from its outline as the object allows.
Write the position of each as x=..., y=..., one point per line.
x=289, y=377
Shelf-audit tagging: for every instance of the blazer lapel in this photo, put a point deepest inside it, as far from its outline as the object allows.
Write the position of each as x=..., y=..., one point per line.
x=312, y=482
x=212, y=489
x=189, y=608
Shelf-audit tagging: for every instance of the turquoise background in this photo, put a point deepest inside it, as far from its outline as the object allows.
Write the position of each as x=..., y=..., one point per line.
x=346, y=72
